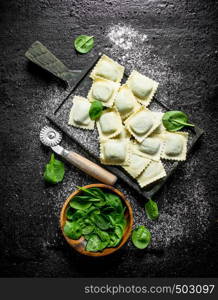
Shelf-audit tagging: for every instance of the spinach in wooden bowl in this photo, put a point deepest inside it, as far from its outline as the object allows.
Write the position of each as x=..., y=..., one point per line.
x=96, y=216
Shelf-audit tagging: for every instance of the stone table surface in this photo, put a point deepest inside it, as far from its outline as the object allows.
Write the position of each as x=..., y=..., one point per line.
x=173, y=42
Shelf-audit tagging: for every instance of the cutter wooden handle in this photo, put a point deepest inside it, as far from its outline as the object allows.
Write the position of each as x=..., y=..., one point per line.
x=91, y=168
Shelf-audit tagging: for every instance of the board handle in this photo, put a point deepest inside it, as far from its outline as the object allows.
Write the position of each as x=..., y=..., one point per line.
x=90, y=168
x=40, y=55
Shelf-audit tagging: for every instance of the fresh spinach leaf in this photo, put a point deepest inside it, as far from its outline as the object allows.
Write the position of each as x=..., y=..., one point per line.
x=122, y=224
x=114, y=240
x=84, y=43
x=54, y=171
x=87, y=226
x=100, y=204
x=118, y=231
x=95, y=110
x=104, y=236
x=116, y=218
x=86, y=191
x=69, y=213
x=87, y=236
x=86, y=198
x=96, y=213
x=79, y=204
x=141, y=237
x=88, y=229
x=101, y=221
x=114, y=202
x=78, y=214
x=108, y=210
x=175, y=120
x=93, y=210
x=72, y=230
x=94, y=243
x=99, y=193
x=90, y=192
x=151, y=209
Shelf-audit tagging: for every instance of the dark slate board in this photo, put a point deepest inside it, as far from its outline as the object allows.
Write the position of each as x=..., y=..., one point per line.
x=89, y=139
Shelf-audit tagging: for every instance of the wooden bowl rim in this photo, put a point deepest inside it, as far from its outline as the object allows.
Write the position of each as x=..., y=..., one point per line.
x=75, y=243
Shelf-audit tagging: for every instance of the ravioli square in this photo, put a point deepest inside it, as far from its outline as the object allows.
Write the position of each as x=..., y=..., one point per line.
x=151, y=147
x=115, y=152
x=143, y=88
x=79, y=114
x=124, y=134
x=125, y=102
x=160, y=129
x=107, y=68
x=154, y=171
x=175, y=145
x=103, y=90
x=142, y=123
x=137, y=164
x=109, y=124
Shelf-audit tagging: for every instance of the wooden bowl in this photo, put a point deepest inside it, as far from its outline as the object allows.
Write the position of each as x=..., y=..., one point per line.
x=79, y=245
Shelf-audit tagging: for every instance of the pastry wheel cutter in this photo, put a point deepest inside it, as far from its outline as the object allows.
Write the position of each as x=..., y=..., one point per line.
x=52, y=138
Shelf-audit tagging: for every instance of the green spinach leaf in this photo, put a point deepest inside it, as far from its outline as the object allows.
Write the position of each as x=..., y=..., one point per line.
x=104, y=236
x=54, y=171
x=87, y=226
x=78, y=214
x=114, y=201
x=80, y=204
x=98, y=216
x=118, y=230
x=84, y=43
x=93, y=192
x=141, y=237
x=95, y=110
x=151, y=209
x=72, y=230
x=86, y=198
x=114, y=240
x=175, y=120
x=101, y=221
x=69, y=213
x=94, y=243
x=98, y=192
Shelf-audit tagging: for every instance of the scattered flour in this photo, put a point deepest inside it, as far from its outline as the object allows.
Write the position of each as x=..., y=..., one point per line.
x=177, y=221
x=135, y=51
x=124, y=37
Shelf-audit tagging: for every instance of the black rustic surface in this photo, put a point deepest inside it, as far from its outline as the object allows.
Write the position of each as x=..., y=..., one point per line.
x=183, y=34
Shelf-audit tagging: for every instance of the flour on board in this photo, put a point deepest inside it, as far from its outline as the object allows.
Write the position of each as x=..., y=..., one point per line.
x=177, y=221
x=135, y=50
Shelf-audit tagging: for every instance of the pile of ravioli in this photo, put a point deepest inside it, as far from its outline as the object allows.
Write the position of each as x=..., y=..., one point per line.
x=130, y=135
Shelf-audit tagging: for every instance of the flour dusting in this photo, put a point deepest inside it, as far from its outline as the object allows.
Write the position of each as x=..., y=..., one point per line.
x=177, y=221
x=135, y=50
x=124, y=37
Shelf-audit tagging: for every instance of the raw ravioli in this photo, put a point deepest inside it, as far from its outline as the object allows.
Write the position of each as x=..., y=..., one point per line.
x=151, y=147
x=142, y=87
x=108, y=69
x=103, y=90
x=142, y=123
x=115, y=152
x=136, y=165
x=153, y=172
x=79, y=114
x=125, y=102
x=109, y=124
x=175, y=145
